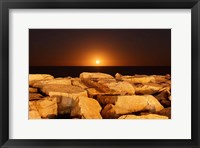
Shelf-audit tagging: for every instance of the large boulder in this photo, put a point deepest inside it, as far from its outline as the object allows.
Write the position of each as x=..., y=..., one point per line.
x=33, y=112
x=86, y=108
x=95, y=75
x=161, y=79
x=65, y=95
x=36, y=77
x=149, y=116
x=147, y=89
x=110, y=86
x=92, y=83
x=92, y=92
x=119, y=105
x=47, y=107
x=121, y=87
x=41, y=83
x=43, y=108
x=136, y=78
x=77, y=82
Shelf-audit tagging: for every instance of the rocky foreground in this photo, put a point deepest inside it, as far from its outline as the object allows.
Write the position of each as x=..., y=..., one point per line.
x=100, y=96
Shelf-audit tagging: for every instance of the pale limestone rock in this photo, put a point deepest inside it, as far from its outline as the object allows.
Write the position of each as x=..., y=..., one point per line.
x=106, y=81
x=119, y=105
x=77, y=82
x=147, y=89
x=56, y=89
x=62, y=81
x=99, y=87
x=92, y=92
x=95, y=75
x=118, y=76
x=35, y=77
x=149, y=116
x=86, y=108
x=65, y=95
x=35, y=96
x=32, y=106
x=160, y=78
x=47, y=106
x=32, y=90
x=121, y=87
x=34, y=114
x=136, y=78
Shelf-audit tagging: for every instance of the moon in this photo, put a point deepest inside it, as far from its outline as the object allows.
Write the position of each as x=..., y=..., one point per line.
x=97, y=62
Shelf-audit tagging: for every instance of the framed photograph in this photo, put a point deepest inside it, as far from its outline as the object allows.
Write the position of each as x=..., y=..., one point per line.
x=108, y=73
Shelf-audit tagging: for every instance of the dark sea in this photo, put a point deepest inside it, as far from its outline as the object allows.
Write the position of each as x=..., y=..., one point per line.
x=74, y=71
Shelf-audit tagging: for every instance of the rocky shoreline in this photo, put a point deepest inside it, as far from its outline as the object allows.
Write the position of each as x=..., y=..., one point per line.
x=100, y=96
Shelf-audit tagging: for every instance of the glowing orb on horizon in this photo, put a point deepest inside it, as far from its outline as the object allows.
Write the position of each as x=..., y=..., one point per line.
x=97, y=62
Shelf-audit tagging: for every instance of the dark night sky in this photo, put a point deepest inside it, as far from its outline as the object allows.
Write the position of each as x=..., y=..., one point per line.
x=112, y=47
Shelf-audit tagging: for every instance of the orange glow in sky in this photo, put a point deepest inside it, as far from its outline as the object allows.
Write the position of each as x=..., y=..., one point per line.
x=97, y=62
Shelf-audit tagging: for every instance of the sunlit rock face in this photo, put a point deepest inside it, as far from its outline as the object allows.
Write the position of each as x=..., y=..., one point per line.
x=119, y=105
x=98, y=75
x=65, y=95
x=36, y=77
x=100, y=96
x=149, y=116
x=86, y=108
x=41, y=83
x=45, y=107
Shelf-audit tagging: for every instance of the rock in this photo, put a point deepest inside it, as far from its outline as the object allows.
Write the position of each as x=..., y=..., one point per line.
x=113, y=112
x=32, y=90
x=34, y=114
x=36, y=77
x=92, y=92
x=33, y=77
x=59, y=89
x=164, y=97
x=65, y=95
x=41, y=83
x=35, y=96
x=106, y=81
x=99, y=87
x=77, y=82
x=119, y=105
x=32, y=106
x=47, y=107
x=86, y=108
x=165, y=112
x=95, y=75
x=118, y=76
x=149, y=116
x=121, y=88
x=160, y=78
x=168, y=76
x=136, y=78
x=147, y=89
x=170, y=97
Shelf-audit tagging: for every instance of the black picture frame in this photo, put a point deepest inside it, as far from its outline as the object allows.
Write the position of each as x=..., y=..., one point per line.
x=5, y=5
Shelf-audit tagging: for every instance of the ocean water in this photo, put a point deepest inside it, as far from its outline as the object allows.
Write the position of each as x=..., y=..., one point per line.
x=74, y=71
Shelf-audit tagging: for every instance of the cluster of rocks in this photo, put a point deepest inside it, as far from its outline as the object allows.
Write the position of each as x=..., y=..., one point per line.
x=100, y=96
